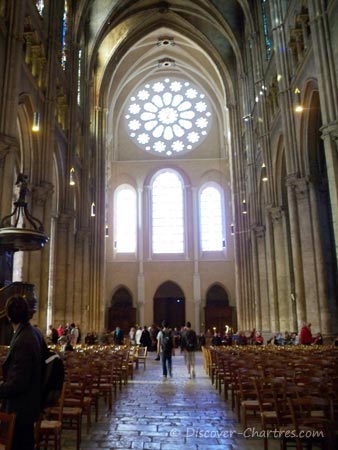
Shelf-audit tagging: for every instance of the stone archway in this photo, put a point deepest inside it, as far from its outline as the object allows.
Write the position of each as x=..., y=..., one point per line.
x=169, y=304
x=121, y=313
x=217, y=311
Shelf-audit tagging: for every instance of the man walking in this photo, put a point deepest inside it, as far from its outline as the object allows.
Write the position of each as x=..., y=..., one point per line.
x=22, y=371
x=166, y=348
x=189, y=345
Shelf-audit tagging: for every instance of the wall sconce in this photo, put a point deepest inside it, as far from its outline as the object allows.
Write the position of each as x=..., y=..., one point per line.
x=72, y=177
x=36, y=122
x=106, y=231
x=298, y=106
x=264, y=175
x=93, y=210
x=244, y=208
x=232, y=229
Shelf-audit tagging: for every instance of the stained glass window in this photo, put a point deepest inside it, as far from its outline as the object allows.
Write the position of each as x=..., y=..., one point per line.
x=167, y=214
x=64, y=36
x=126, y=220
x=211, y=219
x=266, y=30
x=39, y=6
x=168, y=116
x=79, y=61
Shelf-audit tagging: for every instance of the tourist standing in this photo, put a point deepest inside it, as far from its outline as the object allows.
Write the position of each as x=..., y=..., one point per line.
x=166, y=348
x=189, y=346
x=22, y=372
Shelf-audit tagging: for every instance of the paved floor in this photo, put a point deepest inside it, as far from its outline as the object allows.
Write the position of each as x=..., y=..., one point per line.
x=173, y=414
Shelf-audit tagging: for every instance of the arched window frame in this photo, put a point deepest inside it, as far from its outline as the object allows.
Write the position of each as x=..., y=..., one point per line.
x=121, y=254
x=213, y=254
x=168, y=256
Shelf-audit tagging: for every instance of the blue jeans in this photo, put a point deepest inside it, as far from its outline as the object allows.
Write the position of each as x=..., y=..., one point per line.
x=166, y=364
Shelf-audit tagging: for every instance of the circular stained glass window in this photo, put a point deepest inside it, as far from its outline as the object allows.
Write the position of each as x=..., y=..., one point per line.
x=168, y=116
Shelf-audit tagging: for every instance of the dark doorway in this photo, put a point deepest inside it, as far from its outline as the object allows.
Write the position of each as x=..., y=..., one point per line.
x=169, y=304
x=121, y=313
x=217, y=311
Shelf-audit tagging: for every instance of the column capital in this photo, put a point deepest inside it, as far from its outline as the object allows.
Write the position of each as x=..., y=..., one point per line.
x=7, y=144
x=276, y=213
x=42, y=193
x=331, y=130
x=299, y=185
x=259, y=230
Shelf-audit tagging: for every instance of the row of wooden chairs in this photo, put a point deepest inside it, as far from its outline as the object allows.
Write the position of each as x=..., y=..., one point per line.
x=266, y=386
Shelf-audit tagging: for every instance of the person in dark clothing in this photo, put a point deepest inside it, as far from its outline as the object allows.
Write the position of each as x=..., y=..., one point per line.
x=145, y=339
x=118, y=336
x=22, y=372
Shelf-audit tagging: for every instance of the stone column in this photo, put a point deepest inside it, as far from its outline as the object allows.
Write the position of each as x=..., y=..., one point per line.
x=37, y=263
x=307, y=252
x=271, y=264
x=263, y=279
x=323, y=52
x=61, y=279
x=256, y=284
x=324, y=311
x=283, y=295
x=330, y=138
x=299, y=294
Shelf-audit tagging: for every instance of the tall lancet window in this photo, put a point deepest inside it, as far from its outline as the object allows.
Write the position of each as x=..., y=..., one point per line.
x=211, y=219
x=167, y=213
x=125, y=220
x=79, y=61
x=64, y=36
x=39, y=6
x=266, y=30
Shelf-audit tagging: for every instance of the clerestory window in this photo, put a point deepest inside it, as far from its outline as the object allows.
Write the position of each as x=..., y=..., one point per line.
x=167, y=213
x=211, y=219
x=125, y=220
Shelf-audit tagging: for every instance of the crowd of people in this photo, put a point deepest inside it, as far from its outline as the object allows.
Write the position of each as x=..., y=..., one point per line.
x=70, y=335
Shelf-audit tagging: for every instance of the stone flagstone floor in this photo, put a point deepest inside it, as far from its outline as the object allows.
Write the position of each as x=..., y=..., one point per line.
x=174, y=414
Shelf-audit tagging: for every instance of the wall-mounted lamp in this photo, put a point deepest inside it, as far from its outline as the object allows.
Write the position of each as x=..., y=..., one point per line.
x=244, y=208
x=93, y=210
x=72, y=177
x=106, y=233
x=264, y=175
x=298, y=106
x=36, y=122
x=232, y=229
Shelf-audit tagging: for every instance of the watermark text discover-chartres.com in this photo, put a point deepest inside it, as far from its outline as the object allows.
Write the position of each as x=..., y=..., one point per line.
x=248, y=433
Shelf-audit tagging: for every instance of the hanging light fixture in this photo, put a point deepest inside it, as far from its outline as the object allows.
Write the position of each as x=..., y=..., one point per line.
x=93, y=210
x=72, y=177
x=264, y=175
x=106, y=231
x=298, y=105
x=232, y=229
x=36, y=122
x=244, y=208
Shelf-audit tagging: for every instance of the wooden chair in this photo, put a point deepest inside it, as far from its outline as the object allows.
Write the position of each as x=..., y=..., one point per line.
x=312, y=422
x=72, y=410
x=141, y=357
x=7, y=422
x=48, y=430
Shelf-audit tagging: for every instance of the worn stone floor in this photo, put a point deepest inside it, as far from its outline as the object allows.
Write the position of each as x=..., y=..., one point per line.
x=175, y=414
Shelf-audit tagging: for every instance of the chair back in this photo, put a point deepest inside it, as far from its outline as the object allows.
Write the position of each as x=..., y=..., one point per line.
x=7, y=422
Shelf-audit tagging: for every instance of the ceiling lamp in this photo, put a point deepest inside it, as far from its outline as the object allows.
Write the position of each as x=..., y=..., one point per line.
x=264, y=175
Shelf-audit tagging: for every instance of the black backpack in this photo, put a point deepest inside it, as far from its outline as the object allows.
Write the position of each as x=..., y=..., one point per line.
x=190, y=340
x=53, y=375
x=167, y=342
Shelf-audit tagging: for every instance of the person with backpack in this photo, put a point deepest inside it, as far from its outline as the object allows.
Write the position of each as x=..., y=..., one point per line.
x=166, y=348
x=20, y=390
x=189, y=346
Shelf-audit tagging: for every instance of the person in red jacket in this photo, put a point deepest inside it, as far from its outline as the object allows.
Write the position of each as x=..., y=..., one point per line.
x=306, y=335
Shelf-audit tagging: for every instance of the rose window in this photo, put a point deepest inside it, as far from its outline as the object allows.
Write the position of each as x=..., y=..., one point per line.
x=168, y=117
